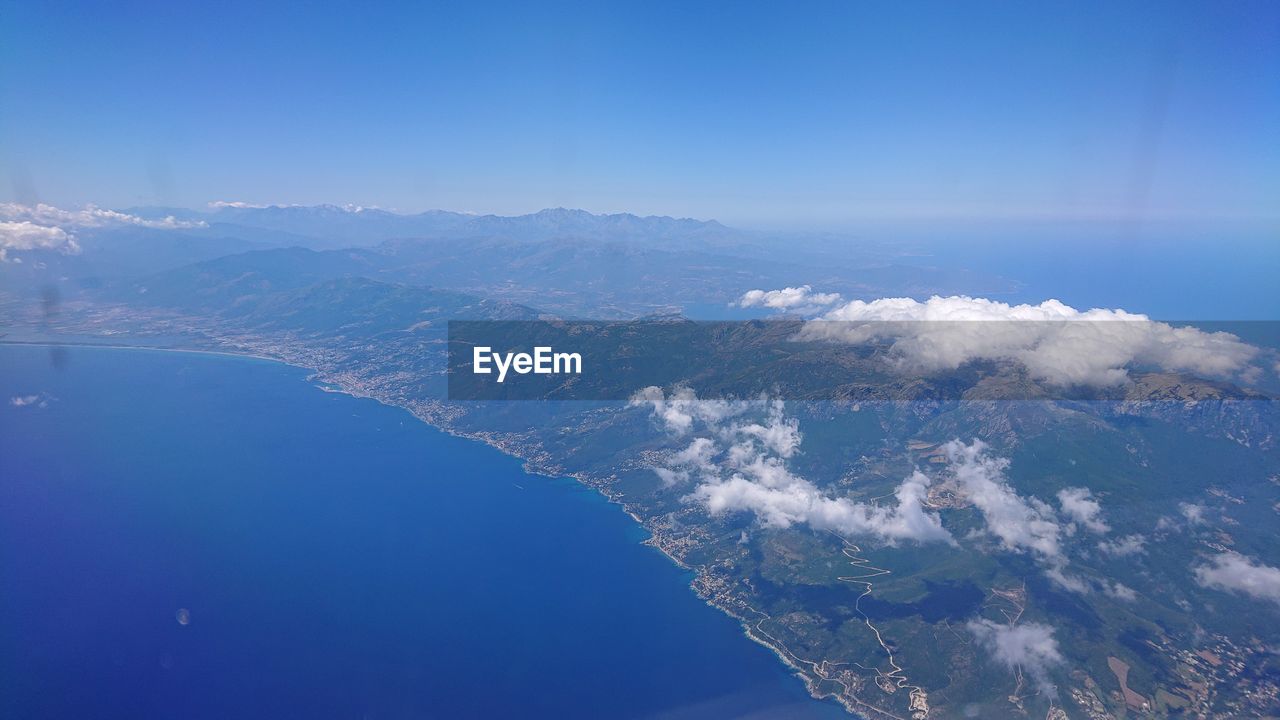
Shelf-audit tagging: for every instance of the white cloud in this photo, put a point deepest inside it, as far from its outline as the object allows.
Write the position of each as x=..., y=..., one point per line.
x=1078, y=505
x=1028, y=647
x=90, y=216
x=791, y=298
x=236, y=204
x=738, y=462
x=681, y=408
x=1237, y=573
x=1055, y=342
x=1018, y=524
x=800, y=502
x=28, y=401
x=1194, y=513
x=1021, y=525
x=698, y=454
x=45, y=227
x=780, y=434
x=741, y=467
x=1125, y=546
x=1120, y=591
x=671, y=477
x=697, y=457
x=26, y=235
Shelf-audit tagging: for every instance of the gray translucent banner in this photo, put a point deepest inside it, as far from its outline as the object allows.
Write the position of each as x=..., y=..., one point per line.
x=862, y=361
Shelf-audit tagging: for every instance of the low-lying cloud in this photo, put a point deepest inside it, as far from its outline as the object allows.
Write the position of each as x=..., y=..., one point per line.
x=790, y=298
x=17, y=236
x=1080, y=507
x=1134, y=544
x=1019, y=524
x=734, y=457
x=1119, y=591
x=1193, y=512
x=45, y=227
x=738, y=464
x=1028, y=647
x=22, y=401
x=1234, y=572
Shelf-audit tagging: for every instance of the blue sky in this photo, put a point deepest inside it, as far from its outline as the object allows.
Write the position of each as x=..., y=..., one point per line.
x=755, y=114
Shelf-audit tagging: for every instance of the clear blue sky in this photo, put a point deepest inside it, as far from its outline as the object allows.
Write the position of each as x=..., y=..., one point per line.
x=781, y=113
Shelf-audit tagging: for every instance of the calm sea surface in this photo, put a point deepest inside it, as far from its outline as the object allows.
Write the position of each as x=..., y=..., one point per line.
x=194, y=536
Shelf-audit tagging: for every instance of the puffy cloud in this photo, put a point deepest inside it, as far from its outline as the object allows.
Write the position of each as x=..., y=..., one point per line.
x=779, y=434
x=741, y=467
x=26, y=235
x=670, y=477
x=1078, y=505
x=698, y=454
x=1237, y=573
x=1028, y=647
x=1020, y=524
x=801, y=299
x=1055, y=342
x=1194, y=513
x=800, y=502
x=697, y=457
x=1017, y=523
x=738, y=457
x=678, y=410
x=1125, y=546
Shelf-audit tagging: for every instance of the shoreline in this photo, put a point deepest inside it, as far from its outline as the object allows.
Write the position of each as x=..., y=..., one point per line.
x=192, y=351
x=529, y=466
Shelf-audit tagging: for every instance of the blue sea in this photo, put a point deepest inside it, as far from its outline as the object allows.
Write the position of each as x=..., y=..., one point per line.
x=198, y=536
x=1168, y=271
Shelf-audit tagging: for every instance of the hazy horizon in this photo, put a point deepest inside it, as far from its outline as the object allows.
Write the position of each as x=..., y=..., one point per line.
x=989, y=227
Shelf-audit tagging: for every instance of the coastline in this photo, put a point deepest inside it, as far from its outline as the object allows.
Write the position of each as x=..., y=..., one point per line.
x=158, y=348
x=811, y=678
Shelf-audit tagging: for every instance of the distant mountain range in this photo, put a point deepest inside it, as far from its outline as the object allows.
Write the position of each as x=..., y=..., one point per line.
x=339, y=226
x=570, y=262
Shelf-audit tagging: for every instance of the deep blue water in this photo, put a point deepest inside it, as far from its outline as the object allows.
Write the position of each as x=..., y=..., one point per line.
x=336, y=558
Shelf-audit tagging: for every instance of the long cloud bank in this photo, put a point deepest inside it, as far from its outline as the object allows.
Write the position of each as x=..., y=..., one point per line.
x=1054, y=341
x=45, y=227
